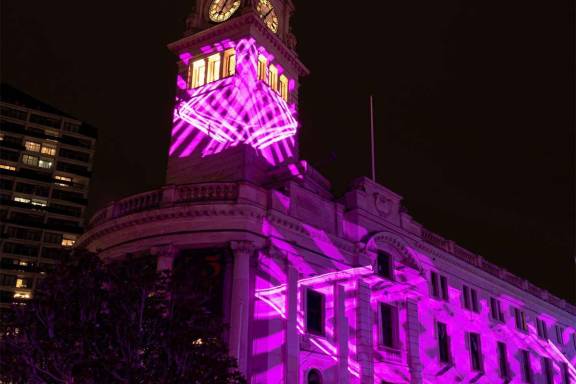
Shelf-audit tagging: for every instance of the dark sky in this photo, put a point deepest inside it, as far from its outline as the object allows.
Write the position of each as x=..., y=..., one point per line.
x=474, y=106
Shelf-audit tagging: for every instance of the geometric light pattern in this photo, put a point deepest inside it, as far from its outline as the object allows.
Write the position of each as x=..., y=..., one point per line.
x=234, y=110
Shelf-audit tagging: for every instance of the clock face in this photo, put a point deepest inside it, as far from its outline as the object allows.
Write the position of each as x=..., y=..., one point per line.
x=221, y=10
x=268, y=14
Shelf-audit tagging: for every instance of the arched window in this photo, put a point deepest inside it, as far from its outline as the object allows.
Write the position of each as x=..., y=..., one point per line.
x=314, y=377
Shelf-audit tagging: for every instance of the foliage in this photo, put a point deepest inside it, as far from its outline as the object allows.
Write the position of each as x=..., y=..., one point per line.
x=95, y=322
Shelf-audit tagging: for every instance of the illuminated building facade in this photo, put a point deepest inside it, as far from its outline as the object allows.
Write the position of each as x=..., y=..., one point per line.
x=316, y=289
x=45, y=166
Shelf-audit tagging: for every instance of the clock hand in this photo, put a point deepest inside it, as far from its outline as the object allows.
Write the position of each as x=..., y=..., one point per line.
x=269, y=12
x=225, y=2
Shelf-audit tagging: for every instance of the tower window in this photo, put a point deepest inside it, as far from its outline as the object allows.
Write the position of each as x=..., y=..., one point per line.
x=262, y=66
x=229, y=62
x=198, y=76
x=314, y=312
x=284, y=87
x=273, y=77
x=389, y=325
x=443, y=342
x=213, y=68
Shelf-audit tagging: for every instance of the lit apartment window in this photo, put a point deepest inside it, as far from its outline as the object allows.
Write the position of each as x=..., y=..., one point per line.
x=262, y=65
x=496, y=310
x=32, y=146
x=68, y=240
x=443, y=343
x=21, y=295
x=559, y=334
x=503, y=361
x=21, y=199
x=470, y=299
x=7, y=167
x=45, y=163
x=284, y=87
x=214, y=62
x=388, y=326
x=38, y=202
x=520, y=320
x=542, y=329
x=384, y=265
x=314, y=312
x=22, y=283
x=273, y=77
x=30, y=160
x=475, y=351
x=49, y=150
x=64, y=181
x=198, y=77
x=229, y=62
x=547, y=370
x=526, y=366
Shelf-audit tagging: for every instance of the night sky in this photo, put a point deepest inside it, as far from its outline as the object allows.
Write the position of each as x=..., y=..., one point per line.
x=474, y=107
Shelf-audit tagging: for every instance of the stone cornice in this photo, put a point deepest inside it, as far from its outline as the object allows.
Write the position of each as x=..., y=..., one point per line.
x=232, y=26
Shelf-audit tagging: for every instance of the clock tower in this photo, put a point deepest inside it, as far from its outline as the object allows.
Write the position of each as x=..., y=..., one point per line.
x=235, y=114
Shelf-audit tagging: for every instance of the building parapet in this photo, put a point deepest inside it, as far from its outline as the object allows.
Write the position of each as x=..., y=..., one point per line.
x=172, y=195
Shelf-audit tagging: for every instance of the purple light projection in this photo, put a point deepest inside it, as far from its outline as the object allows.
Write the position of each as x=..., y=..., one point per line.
x=363, y=292
x=233, y=110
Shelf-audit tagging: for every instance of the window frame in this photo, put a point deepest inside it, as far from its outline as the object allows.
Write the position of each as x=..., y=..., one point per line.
x=526, y=367
x=389, y=272
x=322, y=331
x=443, y=345
x=503, y=364
x=394, y=326
x=547, y=370
x=476, y=358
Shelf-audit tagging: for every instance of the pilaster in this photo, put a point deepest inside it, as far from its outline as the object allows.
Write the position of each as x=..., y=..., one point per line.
x=240, y=302
x=341, y=333
x=292, y=338
x=413, y=333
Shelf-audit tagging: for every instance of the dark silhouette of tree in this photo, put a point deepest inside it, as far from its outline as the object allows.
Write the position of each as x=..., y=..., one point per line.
x=95, y=322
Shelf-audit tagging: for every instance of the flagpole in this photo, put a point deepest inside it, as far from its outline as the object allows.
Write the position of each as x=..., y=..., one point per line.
x=372, y=152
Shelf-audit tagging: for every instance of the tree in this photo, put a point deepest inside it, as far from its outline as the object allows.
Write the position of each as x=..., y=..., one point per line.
x=95, y=322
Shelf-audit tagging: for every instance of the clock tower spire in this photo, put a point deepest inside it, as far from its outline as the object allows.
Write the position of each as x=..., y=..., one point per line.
x=237, y=91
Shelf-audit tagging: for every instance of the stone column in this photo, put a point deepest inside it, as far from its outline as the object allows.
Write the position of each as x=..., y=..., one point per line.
x=292, y=337
x=364, y=333
x=240, y=302
x=413, y=336
x=165, y=257
x=341, y=332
